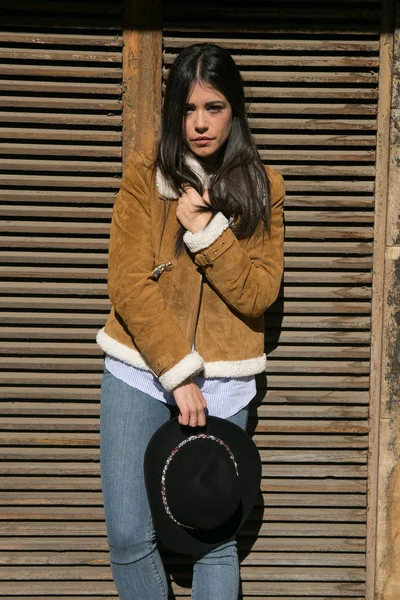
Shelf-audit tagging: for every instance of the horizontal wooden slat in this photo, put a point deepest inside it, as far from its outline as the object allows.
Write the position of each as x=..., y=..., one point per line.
x=299, y=322
x=234, y=44
x=38, y=70
x=306, y=124
x=286, y=456
x=104, y=305
x=295, y=76
x=74, y=498
x=292, y=217
x=309, y=442
x=248, y=573
x=292, y=232
x=353, y=547
x=80, y=55
x=271, y=425
x=296, y=60
x=96, y=528
x=88, y=589
x=76, y=440
x=342, y=93
x=309, y=214
x=76, y=181
x=100, y=289
x=258, y=29
x=63, y=119
x=58, y=197
x=268, y=514
x=100, y=558
x=340, y=139
x=304, y=486
x=61, y=87
x=56, y=150
x=107, y=8
x=311, y=11
x=81, y=166
x=77, y=39
x=298, y=337
x=328, y=155
x=324, y=108
x=276, y=398
x=177, y=596
x=317, y=247
x=81, y=104
x=327, y=589
x=99, y=273
x=289, y=367
x=25, y=133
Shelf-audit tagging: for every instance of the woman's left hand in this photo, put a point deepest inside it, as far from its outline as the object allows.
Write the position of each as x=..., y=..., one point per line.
x=186, y=212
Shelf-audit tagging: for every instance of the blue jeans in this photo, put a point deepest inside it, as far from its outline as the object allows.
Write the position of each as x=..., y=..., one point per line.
x=128, y=419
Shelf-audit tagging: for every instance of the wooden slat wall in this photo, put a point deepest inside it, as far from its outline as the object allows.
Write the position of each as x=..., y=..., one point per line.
x=61, y=161
x=311, y=74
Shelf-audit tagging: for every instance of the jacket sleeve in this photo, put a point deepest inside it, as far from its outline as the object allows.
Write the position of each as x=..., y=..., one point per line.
x=135, y=296
x=247, y=278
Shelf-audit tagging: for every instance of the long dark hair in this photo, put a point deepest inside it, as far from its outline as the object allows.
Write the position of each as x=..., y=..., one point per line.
x=239, y=187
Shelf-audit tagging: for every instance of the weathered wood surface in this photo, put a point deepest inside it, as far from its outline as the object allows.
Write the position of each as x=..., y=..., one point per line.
x=275, y=61
x=269, y=45
x=62, y=134
x=142, y=74
x=100, y=558
x=386, y=378
x=312, y=98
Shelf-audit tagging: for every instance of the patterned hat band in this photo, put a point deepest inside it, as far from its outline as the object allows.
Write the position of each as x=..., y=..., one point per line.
x=168, y=462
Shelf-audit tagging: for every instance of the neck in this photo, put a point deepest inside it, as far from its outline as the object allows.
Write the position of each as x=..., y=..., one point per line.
x=209, y=163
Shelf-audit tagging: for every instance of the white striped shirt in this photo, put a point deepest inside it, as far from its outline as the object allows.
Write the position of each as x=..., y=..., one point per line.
x=225, y=396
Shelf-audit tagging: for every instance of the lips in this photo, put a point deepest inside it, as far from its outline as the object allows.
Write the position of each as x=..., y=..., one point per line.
x=202, y=141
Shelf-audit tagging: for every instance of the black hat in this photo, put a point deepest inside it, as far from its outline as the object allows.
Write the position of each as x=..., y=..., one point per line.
x=201, y=483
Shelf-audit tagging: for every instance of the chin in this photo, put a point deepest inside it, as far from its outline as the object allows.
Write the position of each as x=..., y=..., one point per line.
x=203, y=152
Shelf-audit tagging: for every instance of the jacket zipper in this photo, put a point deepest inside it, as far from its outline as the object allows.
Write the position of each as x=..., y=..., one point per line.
x=159, y=269
x=197, y=311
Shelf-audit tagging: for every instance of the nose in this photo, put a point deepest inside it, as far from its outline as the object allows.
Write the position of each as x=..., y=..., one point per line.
x=201, y=124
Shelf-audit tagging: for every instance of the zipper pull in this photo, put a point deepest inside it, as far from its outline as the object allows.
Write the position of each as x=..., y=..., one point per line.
x=161, y=268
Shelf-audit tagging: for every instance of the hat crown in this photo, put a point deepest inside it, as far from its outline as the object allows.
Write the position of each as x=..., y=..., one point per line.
x=201, y=483
x=186, y=525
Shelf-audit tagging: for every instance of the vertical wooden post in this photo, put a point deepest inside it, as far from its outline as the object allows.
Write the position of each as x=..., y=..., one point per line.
x=142, y=54
x=385, y=367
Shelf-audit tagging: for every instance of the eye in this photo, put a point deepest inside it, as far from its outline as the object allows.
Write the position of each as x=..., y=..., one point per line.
x=215, y=109
x=187, y=110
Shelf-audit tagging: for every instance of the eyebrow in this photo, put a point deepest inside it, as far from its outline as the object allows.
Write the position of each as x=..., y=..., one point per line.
x=208, y=104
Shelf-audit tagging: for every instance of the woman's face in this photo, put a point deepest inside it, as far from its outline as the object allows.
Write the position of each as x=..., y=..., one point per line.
x=207, y=121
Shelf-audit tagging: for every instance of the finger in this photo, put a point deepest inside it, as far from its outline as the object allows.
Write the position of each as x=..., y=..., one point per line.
x=201, y=418
x=193, y=419
x=184, y=417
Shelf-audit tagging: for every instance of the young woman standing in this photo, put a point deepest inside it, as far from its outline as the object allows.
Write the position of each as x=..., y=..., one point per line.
x=196, y=257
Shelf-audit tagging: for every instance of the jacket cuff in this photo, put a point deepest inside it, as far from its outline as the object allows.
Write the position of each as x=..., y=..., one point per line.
x=207, y=236
x=190, y=365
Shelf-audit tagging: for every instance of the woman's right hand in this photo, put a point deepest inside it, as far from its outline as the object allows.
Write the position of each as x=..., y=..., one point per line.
x=191, y=404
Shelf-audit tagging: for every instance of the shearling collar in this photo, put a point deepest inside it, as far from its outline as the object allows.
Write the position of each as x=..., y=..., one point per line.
x=165, y=188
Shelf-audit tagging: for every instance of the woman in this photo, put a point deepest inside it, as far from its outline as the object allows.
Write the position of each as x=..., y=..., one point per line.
x=196, y=257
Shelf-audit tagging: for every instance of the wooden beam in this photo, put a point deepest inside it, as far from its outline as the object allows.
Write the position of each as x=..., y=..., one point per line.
x=383, y=522
x=142, y=24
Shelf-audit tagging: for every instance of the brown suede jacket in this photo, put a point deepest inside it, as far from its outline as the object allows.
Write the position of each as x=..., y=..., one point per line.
x=201, y=312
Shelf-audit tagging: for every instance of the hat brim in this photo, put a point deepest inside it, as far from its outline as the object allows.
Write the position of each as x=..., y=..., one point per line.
x=167, y=437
